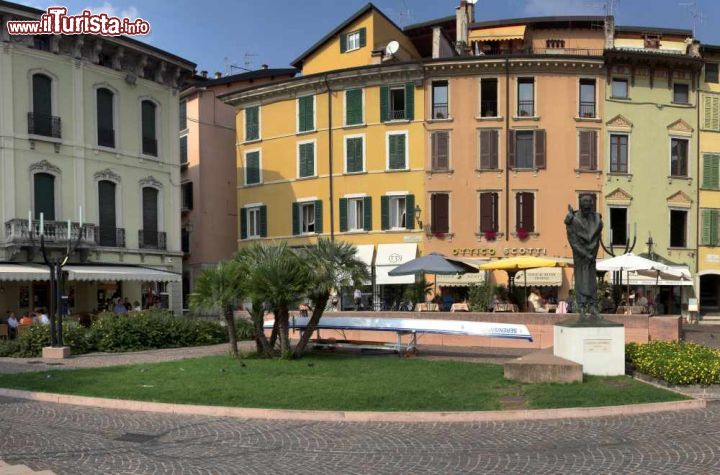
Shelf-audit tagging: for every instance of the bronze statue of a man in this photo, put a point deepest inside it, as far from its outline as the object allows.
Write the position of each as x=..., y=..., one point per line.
x=584, y=228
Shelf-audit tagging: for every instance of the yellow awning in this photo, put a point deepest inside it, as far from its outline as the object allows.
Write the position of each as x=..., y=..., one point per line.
x=515, y=32
x=521, y=262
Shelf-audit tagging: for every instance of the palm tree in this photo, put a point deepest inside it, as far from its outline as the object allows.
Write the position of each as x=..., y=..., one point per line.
x=332, y=265
x=277, y=276
x=221, y=289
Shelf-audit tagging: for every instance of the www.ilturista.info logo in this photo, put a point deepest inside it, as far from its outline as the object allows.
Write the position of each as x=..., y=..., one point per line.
x=57, y=22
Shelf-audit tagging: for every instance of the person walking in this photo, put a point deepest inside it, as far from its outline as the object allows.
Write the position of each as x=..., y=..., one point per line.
x=357, y=297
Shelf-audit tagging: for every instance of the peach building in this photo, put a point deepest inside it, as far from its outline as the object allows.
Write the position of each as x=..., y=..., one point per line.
x=208, y=177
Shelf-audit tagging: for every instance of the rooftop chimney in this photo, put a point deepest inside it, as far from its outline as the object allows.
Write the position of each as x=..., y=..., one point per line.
x=218, y=75
x=203, y=74
x=263, y=66
x=464, y=15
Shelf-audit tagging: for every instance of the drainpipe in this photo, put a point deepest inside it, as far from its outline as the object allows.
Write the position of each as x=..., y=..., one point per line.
x=507, y=150
x=330, y=161
x=698, y=231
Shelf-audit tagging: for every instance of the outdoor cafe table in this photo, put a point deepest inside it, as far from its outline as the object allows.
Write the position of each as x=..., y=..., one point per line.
x=459, y=307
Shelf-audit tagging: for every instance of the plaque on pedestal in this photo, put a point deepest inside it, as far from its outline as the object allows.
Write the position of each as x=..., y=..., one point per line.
x=600, y=349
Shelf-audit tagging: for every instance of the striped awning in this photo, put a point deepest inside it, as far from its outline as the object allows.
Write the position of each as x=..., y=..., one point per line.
x=501, y=33
x=119, y=273
x=23, y=272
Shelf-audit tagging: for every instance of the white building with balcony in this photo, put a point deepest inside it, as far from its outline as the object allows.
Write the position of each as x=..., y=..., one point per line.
x=89, y=123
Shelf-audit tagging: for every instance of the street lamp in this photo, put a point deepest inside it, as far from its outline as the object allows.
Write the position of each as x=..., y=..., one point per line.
x=418, y=211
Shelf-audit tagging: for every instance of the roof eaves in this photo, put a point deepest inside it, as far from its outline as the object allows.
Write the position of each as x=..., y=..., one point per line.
x=541, y=19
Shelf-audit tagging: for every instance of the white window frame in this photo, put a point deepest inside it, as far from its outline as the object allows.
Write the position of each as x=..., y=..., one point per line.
x=297, y=159
x=245, y=154
x=297, y=115
x=356, y=39
x=362, y=120
x=687, y=139
x=396, y=199
x=497, y=98
x=684, y=83
x=387, y=150
x=687, y=226
x=516, y=115
x=345, y=149
x=595, y=97
x=609, y=152
x=516, y=167
x=449, y=114
x=302, y=206
x=627, y=87
x=397, y=87
x=627, y=222
x=352, y=201
x=259, y=107
x=252, y=210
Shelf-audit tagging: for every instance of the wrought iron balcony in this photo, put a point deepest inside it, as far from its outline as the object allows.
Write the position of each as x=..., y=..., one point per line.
x=152, y=240
x=440, y=110
x=109, y=236
x=55, y=233
x=397, y=114
x=587, y=110
x=45, y=125
x=489, y=108
x=526, y=108
x=106, y=137
x=149, y=146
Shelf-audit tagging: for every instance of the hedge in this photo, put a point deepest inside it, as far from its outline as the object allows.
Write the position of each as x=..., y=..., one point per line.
x=132, y=332
x=675, y=363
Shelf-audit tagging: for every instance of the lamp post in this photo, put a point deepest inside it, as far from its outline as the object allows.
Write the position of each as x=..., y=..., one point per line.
x=55, y=266
x=418, y=211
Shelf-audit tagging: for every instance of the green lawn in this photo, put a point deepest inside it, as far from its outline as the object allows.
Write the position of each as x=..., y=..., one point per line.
x=365, y=383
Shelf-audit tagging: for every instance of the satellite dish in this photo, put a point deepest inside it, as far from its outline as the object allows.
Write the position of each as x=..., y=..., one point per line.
x=392, y=48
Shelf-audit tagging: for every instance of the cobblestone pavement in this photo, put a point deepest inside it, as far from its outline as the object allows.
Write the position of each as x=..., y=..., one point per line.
x=75, y=440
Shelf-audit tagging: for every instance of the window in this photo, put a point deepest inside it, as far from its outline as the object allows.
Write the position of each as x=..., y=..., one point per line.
x=527, y=149
x=149, y=133
x=652, y=41
x=619, y=88
x=105, y=118
x=183, y=150
x=555, y=44
x=489, y=205
x=252, y=168
x=681, y=93
x=355, y=214
x=353, y=107
x=107, y=234
x=711, y=171
x=440, y=100
x=588, y=150
x=678, y=228
x=44, y=196
x=489, y=149
x=186, y=198
x=149, y=232
x=440, y=213
x=354, y=155
x=41, y=120
x=185, y=241
x=711, y=112
x=306, y=159
x=525, y=211
x=526, y=97
x=397, y=151
x=397, y=102
x=307, y=218
x=711, y=73
x=618, y=153
x=306, y=113
x=440, y=150
x=710, y=222
x=253, y=222
x=679, y=157
x=183, y=115
x=252, y=123
x=397, y=212
x=618, y=226
x=41, y=42
x=488, y=97
x=587, y=98
x=353, y=40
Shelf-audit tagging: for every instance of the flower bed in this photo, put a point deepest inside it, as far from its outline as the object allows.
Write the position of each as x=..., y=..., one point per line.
x=675, y=363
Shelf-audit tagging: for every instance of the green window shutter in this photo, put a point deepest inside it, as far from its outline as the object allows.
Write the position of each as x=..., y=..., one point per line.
x=296, y=219
x=711, y=171
x=263, y=221
x=715, y=222
x=343, y=215
x=44, y=185
x=353, y=107
x=409, y=101
x=307, y=160
x=343, y=42
x=384, y=103
x=306, y=119
x=252, y=126
x=706, y=237
x=367, y=213
x=363, y=37
x=711, y=112
x=397, y=152
x=354, y=155
x=410, y=211
x=318, y=217
x=384, y=212
x=243, y=223
x=252, y=168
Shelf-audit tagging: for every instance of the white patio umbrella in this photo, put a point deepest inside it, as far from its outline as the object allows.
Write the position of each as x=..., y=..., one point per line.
x=632, y=263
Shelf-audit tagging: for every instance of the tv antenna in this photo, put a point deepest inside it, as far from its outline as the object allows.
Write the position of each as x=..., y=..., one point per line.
x=610, y=7
x=403, y=14
x=697, y=16
x=229, y=67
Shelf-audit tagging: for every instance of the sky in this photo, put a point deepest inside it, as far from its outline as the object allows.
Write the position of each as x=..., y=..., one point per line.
x=218, y=34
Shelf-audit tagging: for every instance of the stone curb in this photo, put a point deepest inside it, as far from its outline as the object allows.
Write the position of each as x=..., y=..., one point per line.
x=355, y=416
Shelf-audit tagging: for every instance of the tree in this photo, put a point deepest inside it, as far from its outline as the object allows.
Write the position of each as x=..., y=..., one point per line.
x=220, y=289
x=332, y=265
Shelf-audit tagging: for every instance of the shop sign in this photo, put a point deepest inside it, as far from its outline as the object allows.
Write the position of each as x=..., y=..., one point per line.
x=506, y=251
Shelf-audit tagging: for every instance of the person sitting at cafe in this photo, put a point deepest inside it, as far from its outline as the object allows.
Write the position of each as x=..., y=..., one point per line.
x=640, y=299
x=535, y=301
x=42, y=318
x=26, y=319
x=119, y=307
x=12, y=325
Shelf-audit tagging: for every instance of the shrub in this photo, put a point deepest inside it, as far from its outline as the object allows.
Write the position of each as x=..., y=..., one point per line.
x=676, y=363
x=9, y=348
x=244, y=329
x=481, y=296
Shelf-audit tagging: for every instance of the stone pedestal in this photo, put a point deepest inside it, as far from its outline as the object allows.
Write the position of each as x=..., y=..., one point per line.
x=599, y=349
x=53, y=353
x=543, y=367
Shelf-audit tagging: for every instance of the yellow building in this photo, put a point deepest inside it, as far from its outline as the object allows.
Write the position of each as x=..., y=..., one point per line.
x=709, y=189
x=338, y=152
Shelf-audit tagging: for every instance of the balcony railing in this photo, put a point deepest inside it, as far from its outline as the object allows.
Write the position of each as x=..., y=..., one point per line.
x=17, y=231
x=152, y=239
x=45, y=125
x=110, y=236
x=106, y=137
x=587, y=109
x=440, y=111
x=397, y=114
x=149, y=146
x=488, y=108
x=526, y=108
x=498, y=50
